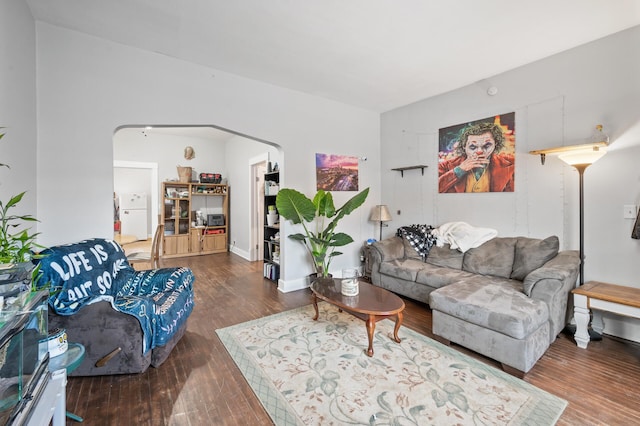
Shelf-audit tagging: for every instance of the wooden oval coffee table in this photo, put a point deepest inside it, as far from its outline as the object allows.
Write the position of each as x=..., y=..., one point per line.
x=371, y=305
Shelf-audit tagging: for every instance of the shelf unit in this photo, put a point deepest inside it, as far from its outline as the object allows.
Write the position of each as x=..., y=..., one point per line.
x=271, y=241
x=181, y=201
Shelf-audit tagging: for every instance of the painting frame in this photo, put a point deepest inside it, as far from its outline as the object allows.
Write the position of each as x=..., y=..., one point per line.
x=336, y=172
x=478, y=156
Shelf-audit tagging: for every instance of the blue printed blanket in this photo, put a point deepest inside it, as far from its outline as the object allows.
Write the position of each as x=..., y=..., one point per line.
x=93, y=270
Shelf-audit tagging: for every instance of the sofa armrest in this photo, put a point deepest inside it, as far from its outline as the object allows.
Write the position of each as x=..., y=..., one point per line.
x=552, y=284
x=387, y=250
x=563, y=268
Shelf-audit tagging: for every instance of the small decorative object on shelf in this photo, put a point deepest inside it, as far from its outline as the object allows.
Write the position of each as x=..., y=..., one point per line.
x=599, y=135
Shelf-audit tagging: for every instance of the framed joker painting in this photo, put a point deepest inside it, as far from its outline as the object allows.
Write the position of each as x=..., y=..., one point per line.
x=478, y=156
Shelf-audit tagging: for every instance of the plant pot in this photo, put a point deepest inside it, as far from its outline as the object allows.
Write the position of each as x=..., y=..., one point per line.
x=272, y=219
x=328, y=280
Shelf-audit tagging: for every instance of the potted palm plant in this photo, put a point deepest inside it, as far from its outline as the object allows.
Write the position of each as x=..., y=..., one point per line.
x=319, y=219
x=17, y=244
x=15, y=248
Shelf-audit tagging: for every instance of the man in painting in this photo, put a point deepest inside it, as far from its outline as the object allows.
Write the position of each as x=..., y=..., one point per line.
x=479, y=165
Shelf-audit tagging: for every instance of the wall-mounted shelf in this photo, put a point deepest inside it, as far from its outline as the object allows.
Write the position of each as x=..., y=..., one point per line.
x=594, y=146
x=403, y=169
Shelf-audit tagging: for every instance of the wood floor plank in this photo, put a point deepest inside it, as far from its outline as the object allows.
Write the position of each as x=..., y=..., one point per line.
x=199, y=383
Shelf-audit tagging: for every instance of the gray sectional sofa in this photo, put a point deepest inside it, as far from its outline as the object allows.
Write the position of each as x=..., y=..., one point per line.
x=506, y=299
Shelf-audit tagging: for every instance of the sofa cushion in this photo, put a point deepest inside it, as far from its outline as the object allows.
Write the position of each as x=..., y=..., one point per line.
x=437, y=276
x=532, y=253
x=446, y=257
x=495, y=257
x=406, y=269
x=499, y=306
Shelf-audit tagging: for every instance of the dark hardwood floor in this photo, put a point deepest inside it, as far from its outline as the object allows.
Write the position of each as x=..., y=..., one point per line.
x=199, y=384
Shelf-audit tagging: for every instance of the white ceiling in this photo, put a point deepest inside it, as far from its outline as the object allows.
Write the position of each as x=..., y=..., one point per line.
x=374, y=54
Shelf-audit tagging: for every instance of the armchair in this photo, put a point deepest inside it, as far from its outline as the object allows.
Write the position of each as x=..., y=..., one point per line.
x=126, y=319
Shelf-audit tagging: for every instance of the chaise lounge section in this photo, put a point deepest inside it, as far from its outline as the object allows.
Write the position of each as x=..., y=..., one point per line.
x=506, y=299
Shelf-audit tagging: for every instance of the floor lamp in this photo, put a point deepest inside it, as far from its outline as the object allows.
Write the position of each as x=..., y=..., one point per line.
x=580, y=160
x=580, y=157
x=380, y=213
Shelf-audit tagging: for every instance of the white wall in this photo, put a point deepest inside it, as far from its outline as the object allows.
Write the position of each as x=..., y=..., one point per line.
x=18, y=105
x=88, y=87
x=558, y=101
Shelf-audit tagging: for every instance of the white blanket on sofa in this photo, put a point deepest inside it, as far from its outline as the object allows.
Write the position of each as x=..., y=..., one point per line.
x=462, y=236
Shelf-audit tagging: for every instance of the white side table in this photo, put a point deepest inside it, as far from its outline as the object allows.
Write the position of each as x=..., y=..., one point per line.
x=612, y=298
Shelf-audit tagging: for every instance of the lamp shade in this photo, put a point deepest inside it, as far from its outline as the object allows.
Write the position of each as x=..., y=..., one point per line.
x=380, y=213
x=586, y=156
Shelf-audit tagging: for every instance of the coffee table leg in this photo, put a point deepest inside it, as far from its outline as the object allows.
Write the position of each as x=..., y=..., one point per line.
x=315, y=306
x=397, y=327
x=371, y=327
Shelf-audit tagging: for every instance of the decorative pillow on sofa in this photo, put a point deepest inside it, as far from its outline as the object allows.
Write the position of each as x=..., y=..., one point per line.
x=495, y=257
x=446, y=257
x=532, y=253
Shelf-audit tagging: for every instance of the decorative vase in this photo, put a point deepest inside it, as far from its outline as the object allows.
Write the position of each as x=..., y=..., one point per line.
x=272, y=218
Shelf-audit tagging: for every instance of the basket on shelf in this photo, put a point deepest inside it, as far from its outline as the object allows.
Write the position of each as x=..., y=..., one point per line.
x=184, y=174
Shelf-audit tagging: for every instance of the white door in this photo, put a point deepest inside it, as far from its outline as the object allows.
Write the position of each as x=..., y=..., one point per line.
x=133, y=201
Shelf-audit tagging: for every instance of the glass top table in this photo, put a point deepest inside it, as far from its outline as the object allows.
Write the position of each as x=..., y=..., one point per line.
x=69, y=360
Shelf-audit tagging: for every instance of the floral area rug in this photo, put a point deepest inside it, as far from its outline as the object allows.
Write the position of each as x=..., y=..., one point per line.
x=309, y=372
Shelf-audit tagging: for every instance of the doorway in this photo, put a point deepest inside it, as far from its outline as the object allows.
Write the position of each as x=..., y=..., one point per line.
x=138, y=177
x=258, y=166
x=216, y=150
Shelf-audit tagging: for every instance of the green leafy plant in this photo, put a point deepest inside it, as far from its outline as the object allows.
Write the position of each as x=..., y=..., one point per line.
x=16, y=245
x=20, y=246
x=319, y=240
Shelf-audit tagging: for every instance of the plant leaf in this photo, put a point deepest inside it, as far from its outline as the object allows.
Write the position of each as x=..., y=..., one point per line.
x=295, y=206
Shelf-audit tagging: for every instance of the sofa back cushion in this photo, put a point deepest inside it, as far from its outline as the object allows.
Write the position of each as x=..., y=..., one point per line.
x=445, y=257
x=81, y=273
x=532, y=253
x=495, y=257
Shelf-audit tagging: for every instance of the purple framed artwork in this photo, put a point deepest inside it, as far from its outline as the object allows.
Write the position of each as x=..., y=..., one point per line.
x=336, y=172
x=478, y=156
